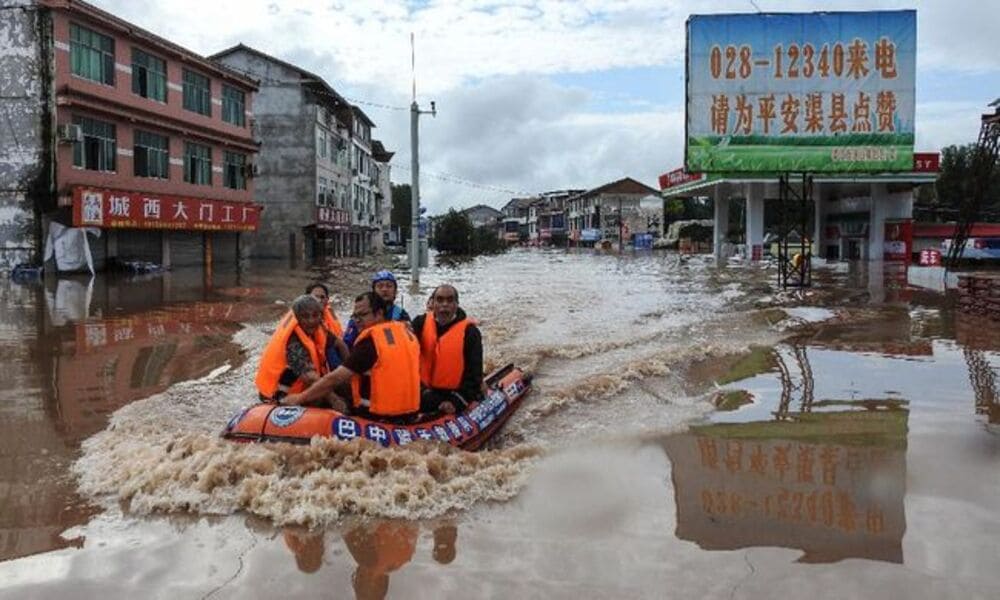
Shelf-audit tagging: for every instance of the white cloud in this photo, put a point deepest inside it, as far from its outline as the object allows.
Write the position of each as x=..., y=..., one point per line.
x=502, y=120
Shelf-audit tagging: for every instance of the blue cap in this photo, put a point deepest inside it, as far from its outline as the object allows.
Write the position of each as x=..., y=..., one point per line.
x=384, y=276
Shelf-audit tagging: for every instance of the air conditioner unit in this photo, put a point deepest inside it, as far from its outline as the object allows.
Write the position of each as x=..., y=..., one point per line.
x=69, y=133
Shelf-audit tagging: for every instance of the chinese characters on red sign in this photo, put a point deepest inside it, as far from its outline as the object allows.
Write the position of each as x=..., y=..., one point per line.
x=134, y=210
x=677, y=177
x=332, y=218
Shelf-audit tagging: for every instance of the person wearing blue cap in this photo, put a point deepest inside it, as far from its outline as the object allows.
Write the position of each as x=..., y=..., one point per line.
x=384, y=285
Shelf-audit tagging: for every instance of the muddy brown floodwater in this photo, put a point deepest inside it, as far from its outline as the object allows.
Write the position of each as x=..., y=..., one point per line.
x=691, y=434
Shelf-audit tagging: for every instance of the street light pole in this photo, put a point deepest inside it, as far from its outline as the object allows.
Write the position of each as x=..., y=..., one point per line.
x=415, y=113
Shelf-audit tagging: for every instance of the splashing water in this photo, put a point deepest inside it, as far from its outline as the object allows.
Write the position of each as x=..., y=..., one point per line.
x=603, y=335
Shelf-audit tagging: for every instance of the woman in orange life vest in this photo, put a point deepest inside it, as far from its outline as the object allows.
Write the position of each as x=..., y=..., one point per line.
x=294, y=357
x=451, y=354
x=383, y=368
x=336, y=349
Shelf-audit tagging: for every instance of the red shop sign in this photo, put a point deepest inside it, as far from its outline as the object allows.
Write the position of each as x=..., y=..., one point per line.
x=677, y=177
x=926, y=162
x=136, y=210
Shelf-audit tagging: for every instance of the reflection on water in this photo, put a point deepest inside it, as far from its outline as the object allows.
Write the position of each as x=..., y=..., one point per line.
x=76, y=350
x=828, y=483
x=860, y=429
x=819, y=461
x=378, y=549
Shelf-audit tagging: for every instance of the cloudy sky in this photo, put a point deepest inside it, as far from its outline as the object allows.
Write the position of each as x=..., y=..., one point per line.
x=544, y=95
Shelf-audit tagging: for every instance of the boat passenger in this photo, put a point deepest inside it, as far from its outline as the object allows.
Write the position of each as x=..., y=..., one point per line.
x=383, y=367
x=451, y=354
x=294, y=357
x=383, y=284
x=336, y=349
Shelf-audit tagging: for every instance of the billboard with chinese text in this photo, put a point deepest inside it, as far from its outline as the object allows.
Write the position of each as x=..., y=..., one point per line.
x=817, y=92
x=133, y=210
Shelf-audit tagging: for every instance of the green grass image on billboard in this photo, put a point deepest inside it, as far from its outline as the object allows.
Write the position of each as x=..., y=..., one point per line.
x=800, y=154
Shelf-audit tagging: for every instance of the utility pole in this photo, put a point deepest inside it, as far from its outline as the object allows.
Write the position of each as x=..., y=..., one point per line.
x=621, y=239
x=415, y=113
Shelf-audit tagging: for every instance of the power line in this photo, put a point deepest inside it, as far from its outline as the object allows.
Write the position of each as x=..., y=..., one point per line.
x=447, y=177
x=376, y=104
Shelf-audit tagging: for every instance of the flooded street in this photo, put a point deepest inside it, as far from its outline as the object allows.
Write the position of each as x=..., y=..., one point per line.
x=685, y=437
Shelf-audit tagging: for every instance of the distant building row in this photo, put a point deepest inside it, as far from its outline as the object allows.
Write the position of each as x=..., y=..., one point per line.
x=177, y=158
x=616, y=210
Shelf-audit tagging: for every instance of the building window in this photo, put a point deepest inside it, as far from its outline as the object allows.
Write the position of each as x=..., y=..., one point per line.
x=234, y=104
x=197, y=93
x=149, y=76
x=321, y=192
x=151, y=155
x=91, y=54
x=197, y=164
x=98, y=149
x=321, y=143
x=234, y=165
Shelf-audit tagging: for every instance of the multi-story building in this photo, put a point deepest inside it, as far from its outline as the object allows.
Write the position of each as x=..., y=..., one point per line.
x=551, y=217
x=611, y=211
x=317, y=176
x=515, y=219
x=119, y=129
x=481, y=215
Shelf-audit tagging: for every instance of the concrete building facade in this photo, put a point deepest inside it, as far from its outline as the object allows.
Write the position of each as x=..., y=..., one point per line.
x=319, y=180
x=25, y=156
x=610, y=212
x=133, y=135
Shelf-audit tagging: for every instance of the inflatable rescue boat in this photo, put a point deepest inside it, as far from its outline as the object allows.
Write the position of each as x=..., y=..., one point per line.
x=469, y=429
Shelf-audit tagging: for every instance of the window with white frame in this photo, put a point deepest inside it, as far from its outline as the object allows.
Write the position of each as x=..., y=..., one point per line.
x=150, y=155
x=97, y=151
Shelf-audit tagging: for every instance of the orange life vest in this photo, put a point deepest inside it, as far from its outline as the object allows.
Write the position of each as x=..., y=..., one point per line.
x=395, y=377
x=382, y=548
x=273, y=362
x=442, y=360
x=331, y=322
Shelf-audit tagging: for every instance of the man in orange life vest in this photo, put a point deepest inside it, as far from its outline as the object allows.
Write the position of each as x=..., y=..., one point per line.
x=295, y=357
x=336, y=349
x=451, y=354
x=383, y=368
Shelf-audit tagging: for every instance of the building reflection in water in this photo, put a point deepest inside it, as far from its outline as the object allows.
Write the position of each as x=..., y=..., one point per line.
x=77, y=349
x=825, y=476
x=379, y=548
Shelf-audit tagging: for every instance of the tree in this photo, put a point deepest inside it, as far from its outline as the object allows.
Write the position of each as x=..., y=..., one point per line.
x=401, y=215
x=955, y=187
x=454, y=234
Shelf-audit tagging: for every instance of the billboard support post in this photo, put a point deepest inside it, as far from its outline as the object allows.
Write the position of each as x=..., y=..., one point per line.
x=794, y=264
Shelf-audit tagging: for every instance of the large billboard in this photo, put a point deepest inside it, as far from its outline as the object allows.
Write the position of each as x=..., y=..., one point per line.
x=814, y=92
